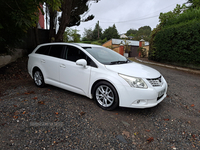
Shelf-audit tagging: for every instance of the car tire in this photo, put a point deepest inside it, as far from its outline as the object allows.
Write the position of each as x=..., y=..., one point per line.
x=38, y=78
x=106, y=95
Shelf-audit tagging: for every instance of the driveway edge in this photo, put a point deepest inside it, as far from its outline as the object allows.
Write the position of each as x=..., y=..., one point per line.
x=169, y=66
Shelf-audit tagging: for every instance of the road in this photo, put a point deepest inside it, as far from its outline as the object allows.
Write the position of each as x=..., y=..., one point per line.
x=52, y=118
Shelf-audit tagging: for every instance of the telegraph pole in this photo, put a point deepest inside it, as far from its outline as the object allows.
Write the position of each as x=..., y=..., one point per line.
x=98, y=29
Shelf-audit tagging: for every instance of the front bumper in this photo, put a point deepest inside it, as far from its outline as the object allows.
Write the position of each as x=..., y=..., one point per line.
x=142, y=98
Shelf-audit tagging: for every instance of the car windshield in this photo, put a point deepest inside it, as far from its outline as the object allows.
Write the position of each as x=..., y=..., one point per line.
x=106, y=56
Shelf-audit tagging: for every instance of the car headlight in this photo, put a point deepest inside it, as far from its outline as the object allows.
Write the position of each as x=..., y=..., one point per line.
x=134, y=81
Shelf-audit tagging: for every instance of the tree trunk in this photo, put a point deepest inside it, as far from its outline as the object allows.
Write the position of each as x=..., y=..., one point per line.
x=36, y=35
x=52, y=25
x=65, y=19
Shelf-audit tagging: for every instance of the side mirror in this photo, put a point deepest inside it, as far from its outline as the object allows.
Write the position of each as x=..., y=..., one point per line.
x=81, y=62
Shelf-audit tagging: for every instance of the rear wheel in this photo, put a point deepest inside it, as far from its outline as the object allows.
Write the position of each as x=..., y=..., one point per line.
x=38, y=78
x=106, y=96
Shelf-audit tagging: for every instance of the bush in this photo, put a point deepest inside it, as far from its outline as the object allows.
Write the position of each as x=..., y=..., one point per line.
x=178, y=40
x=178, y=43
x=86, y=42
x=143, y=51
x=96, y=43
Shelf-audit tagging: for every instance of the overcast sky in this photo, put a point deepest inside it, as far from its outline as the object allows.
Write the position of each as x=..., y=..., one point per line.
x=127, y=14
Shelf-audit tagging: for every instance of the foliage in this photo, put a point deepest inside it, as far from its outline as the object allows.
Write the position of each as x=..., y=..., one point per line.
x=71, y=35
x=16, y=18
x=92, y=35
x=143, y=51
x=152, y=48
x=111, y=47
x=177, y=39
x=110, y=32
x=189, y=15
x=87, y=34
x=99, y=42
x=104, y=40
x=97, y=30
x=193, y=4
x=171, y=17
x=54, y=4
x=131, y=32
x=96, y=43
x=143, y=33
x=71, y=15
x=127, y=47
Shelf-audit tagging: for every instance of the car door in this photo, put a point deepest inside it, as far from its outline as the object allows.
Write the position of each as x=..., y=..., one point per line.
x=74, y=77
x=50, y=64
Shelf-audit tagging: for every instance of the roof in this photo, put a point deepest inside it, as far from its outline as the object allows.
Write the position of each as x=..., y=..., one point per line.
x=130, y=42
x=123, y=36
x=119, y=41
x=146, y=43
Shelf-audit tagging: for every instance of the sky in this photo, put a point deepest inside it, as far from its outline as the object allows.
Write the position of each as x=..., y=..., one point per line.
x=127, y=14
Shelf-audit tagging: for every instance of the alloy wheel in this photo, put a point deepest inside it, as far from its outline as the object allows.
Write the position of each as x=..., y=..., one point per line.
x=104, y=96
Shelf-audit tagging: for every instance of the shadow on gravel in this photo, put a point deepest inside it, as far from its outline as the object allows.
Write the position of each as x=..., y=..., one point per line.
x=141, y=112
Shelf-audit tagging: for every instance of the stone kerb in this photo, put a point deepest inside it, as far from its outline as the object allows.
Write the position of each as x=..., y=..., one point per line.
x=6, y=59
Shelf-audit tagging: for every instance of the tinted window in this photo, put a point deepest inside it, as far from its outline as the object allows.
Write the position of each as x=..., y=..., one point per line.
x=43, y=50
x=105, y=56
x=56, y=51
x=73, y=54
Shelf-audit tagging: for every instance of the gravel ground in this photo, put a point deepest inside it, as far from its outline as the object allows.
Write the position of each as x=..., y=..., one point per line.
x=52, y=118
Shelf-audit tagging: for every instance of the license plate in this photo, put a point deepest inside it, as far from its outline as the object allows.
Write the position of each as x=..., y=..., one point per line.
x=161, y=93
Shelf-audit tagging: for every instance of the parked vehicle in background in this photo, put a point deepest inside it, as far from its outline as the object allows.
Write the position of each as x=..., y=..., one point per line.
x=97, y=72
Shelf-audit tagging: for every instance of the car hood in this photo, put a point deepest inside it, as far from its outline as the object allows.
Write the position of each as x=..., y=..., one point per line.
x=134, y=69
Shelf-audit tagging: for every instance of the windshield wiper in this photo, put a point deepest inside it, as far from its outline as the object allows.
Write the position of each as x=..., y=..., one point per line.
x=118, y=62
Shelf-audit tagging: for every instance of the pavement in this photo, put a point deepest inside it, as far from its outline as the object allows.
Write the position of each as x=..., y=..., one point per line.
x=145, y=60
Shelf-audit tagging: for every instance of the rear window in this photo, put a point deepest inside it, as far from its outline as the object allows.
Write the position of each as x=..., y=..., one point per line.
x=51, y=50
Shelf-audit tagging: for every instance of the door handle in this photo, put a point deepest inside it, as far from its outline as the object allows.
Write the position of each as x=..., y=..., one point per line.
x=43, y=61
x=63, y=66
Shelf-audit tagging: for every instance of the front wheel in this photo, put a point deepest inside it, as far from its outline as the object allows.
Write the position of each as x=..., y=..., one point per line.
x=106, y=96
x=38, y=78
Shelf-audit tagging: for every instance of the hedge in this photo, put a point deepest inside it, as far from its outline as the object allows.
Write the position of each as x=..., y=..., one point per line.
x=178, y=43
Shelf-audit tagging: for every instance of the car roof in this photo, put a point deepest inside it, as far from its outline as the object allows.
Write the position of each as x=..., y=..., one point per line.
x=77, y=44
x=86, y=45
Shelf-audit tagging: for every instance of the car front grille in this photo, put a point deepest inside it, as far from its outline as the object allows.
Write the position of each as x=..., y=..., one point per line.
x=156, y=81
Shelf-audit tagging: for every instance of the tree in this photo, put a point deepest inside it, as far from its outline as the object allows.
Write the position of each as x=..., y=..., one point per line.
x=164, y=18
x=127, y=47
x=16, y=18
x=87, y=34
x=176, y=38
x=97, y=32
x=131, y=32
x=110, y=32
x=71, y=35
x=71, y=15
x=143, y=33
x=52, y=9
x=193, y=4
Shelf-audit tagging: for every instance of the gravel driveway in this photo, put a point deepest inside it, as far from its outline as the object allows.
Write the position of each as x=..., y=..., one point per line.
x=52, y=118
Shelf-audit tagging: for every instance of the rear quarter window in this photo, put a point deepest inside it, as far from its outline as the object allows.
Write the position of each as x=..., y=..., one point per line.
x=43, y=50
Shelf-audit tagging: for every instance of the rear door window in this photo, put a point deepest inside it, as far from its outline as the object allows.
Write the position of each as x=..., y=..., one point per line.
x=56, y=51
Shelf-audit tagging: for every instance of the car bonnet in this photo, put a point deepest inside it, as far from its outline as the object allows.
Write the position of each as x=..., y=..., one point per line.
x=134, y=69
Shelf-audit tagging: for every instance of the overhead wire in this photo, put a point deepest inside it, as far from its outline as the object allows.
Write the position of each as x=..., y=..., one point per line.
x=133, y=20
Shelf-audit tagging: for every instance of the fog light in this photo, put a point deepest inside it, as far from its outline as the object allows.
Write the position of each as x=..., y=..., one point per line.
x=141, y=102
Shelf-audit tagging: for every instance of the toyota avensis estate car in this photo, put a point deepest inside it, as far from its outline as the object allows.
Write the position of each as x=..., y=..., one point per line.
x=97, y=72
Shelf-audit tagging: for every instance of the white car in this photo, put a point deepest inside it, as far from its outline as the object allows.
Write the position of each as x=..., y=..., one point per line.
x=97, y=72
